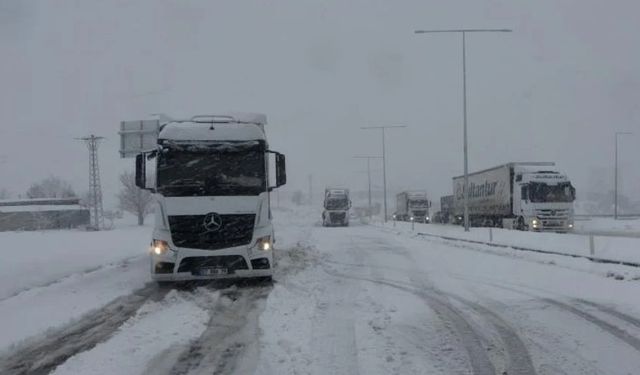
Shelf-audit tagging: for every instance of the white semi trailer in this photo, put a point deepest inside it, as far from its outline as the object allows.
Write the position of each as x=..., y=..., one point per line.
x=412, y=206
x=524, y=196
x=210, y=179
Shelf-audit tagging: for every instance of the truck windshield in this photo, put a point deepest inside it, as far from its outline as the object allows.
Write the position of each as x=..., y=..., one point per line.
x=336, y=204
x=225, y=168
x=540, y=192
x=418, y=203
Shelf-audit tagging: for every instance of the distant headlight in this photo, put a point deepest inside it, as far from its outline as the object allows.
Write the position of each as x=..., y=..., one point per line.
x=159, y=247
x=411, y=218
x=264, y=243
x=570, y=225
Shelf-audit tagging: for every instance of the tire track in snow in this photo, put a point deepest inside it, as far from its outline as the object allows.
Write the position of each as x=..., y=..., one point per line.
x=233, y=326
x=611, y=311
x=517, y=361
x=608, y=327
x=41, y=356
x=471, y=340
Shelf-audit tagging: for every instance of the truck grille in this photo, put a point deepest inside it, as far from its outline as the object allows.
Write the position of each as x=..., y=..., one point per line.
x=552, y=214
x=230, y=262
x=189, y=231
x=337, y=216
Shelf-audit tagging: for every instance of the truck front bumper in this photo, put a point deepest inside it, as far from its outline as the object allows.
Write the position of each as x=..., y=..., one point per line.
x=189, y=264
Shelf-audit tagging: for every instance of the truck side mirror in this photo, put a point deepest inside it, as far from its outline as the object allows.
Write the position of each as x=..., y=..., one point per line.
x=281, y=170
x=140, y=171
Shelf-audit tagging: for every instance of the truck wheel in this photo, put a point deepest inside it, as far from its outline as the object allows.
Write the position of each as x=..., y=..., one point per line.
x=520, y=225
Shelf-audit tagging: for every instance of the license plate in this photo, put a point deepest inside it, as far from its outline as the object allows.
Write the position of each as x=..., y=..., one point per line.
x=213, y=271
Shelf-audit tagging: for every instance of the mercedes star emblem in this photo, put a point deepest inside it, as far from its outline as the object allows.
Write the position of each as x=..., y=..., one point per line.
x=212, y=222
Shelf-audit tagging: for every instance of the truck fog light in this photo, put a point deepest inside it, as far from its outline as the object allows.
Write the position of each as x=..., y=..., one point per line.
x=159, y=247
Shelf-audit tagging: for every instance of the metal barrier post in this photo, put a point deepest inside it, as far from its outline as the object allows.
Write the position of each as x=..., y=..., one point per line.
x=592, y=247
x=490, y=235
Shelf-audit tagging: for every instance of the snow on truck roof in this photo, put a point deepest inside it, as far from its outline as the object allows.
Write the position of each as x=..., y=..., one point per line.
x=535, y=164
x=227, y=127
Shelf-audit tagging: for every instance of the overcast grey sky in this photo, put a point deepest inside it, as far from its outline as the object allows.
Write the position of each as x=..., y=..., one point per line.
x=554, y=90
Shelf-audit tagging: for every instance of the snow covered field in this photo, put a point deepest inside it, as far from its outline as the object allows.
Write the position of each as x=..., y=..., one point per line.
x=357, y=300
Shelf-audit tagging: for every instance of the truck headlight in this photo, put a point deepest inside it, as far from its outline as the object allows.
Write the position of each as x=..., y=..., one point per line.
x=264, y=243
x=159, y=247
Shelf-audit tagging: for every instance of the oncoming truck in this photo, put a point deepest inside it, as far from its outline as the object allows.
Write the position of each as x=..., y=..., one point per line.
x=526, y=196
x=336, y=207
x=412, y=206
x=210, y=178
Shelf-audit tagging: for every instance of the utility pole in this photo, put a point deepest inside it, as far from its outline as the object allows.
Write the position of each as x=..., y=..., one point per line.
x=615, y=178
x=384, y=162
x=95, y=190
x=464, y=103
x=368, y=176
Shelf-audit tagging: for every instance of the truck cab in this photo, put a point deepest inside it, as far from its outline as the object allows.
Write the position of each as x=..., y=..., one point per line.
x=543, y=199
x=210, y=178
x=336, y=207
x=412, y=206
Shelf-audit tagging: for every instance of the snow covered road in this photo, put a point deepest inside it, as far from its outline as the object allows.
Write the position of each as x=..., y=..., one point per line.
x=357, y=300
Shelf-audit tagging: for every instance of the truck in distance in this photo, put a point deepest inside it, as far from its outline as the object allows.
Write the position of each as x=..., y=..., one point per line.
x=210, y=179
x=412, y=206
x=525, y=196
x=445, y=215
x=336, y=207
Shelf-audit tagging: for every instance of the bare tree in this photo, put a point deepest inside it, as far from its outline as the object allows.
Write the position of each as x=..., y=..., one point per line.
x=133, y=199
x=51, y=187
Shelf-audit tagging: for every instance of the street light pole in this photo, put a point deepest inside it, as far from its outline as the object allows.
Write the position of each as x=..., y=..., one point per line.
x=368, y=176
x=464, y=104
x=384, y=162
x=615, y=178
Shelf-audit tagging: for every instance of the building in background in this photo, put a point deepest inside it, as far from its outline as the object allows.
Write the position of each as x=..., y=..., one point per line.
x=39, y=214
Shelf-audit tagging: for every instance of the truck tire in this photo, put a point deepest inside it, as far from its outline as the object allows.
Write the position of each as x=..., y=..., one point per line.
x=520, y=225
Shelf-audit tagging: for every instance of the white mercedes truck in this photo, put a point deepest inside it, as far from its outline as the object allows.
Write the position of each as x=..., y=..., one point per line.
x=525, y=196
x=412, y=206
x=210, y=177
x=336, y=207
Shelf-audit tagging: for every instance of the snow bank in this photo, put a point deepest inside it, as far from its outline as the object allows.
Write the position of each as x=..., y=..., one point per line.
x=607, y=224
x=622, y=249
x=31, y=259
